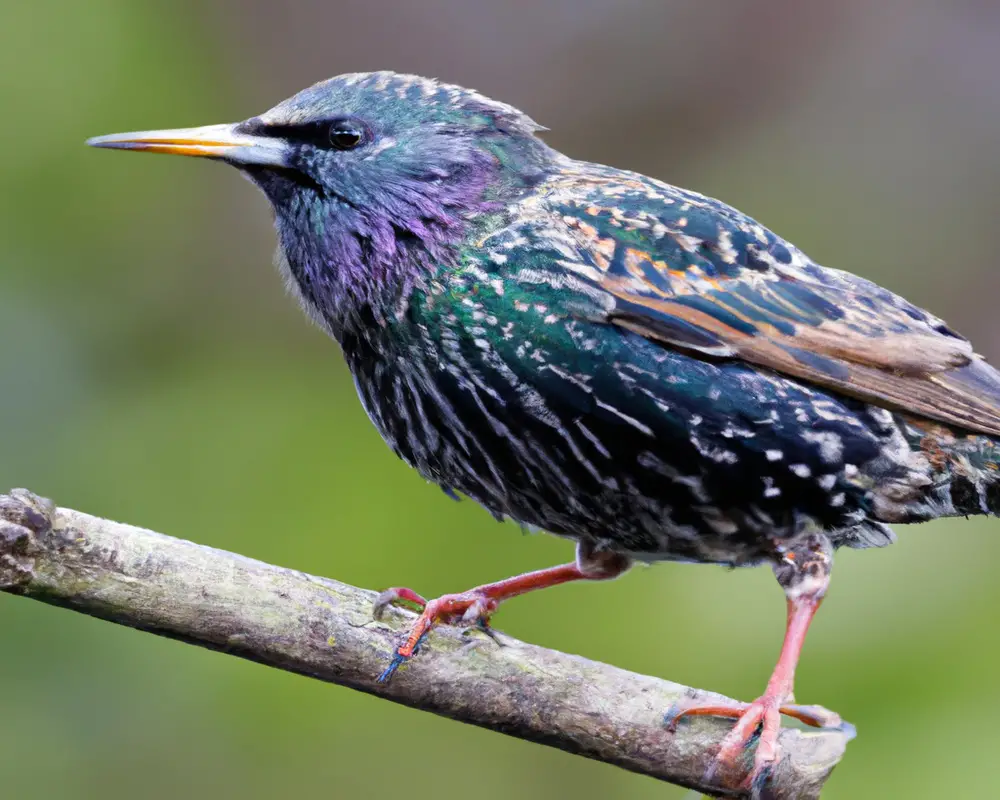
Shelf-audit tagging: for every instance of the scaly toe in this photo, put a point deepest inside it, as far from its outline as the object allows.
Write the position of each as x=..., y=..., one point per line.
x=689, y=708
x=397, y=596
x=816, y=716
x=742, y=735
x=467, y=609
x=398, y=659
x=766, y=716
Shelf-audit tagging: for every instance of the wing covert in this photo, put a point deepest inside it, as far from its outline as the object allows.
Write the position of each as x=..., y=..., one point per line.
x=697, y=275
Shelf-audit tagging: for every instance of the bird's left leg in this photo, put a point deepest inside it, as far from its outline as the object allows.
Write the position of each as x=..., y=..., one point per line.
x=477, y=605
x=802, y=567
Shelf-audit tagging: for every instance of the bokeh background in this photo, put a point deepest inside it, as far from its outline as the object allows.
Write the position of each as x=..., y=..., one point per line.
x=152, y=371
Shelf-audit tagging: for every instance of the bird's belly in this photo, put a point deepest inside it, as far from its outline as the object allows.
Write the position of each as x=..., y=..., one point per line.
x=690, y=489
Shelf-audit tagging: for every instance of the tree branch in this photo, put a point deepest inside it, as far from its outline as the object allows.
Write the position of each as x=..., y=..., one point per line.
x=322, y=628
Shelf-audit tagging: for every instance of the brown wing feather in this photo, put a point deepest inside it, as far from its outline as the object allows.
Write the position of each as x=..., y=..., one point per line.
x=698, y=275
x=927, y=375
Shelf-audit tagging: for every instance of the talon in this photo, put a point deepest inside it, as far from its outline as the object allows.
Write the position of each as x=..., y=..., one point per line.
x=814, y=716
x=849, y=730
x=759, y=779
x=397, y=596
x=475, y=606
x=389, y=671
x=483, y=626
x=757, y=724
x=470, y=608
x=672, y=717
x=758, y=715
x=400, y=658
x=680, y=709
x=803, y=570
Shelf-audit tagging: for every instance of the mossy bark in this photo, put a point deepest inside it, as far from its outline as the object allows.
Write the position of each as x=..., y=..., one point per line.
x=324, y=629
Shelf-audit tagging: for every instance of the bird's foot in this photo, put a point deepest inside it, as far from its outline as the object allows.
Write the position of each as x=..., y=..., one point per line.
x=476, y=606
x=762, y=716
x=473, y=607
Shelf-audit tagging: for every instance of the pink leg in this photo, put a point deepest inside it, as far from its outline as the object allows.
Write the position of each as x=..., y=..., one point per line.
x=478, y=605
x=804, y=572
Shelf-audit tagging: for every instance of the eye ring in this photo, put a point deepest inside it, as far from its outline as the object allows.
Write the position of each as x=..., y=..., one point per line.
x=345, y=135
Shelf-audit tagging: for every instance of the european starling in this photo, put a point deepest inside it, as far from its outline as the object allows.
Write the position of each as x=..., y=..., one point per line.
x=595, y=353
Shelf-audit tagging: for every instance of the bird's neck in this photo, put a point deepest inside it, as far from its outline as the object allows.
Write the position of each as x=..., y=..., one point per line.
x=359, y=267
x=356, y=276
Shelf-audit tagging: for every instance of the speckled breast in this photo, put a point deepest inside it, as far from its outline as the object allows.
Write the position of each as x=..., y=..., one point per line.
x=663, y=456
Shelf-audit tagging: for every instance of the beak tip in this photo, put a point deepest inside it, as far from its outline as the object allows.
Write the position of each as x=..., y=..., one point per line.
x=112, y=141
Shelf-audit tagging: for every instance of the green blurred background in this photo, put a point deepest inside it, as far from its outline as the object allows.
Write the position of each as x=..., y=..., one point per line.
x=154, y=372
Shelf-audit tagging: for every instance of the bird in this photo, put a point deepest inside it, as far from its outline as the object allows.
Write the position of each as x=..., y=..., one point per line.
x=609, y=358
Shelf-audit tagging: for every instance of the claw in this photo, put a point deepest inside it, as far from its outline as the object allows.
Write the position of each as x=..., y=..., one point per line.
x=758, y=782
x=758, y=724
x=388, y=672
x=470, y=608
x=760, y=719
x=398, y=659
x=483, y=626
x=849, y=730
x=814, y=716
x=397, y=596
x=475, y=606
x=679, y=710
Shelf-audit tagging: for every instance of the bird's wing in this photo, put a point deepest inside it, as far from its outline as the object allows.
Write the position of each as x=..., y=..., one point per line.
x=697, y=275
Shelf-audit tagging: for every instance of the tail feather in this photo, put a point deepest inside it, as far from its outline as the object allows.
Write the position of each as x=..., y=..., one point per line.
x=962, y=472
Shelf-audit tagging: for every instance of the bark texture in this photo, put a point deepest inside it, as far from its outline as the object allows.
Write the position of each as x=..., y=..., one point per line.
x=324, y=629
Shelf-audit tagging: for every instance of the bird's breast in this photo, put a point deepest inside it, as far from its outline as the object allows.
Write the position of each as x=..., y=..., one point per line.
x=630, y=466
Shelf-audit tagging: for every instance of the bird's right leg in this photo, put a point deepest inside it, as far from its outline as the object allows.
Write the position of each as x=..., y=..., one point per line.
x=802, y=567
x=477, y=605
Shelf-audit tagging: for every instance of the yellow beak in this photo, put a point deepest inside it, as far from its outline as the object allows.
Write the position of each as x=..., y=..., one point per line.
x=226, y=142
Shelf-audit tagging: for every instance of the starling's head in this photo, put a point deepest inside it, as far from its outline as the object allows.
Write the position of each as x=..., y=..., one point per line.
x=373, y=178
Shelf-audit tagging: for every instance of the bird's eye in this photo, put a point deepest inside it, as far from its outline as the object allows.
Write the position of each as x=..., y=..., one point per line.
x=343, y=133
x=345, y=136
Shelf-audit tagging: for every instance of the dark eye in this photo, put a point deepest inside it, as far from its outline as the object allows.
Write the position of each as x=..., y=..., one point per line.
x=345, y=136
x=343, y=133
